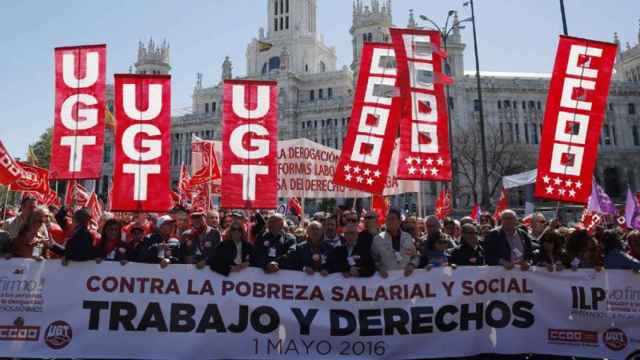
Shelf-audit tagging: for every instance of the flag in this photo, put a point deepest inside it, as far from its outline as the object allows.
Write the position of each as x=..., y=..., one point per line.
x=590, y=220
x=443, y=205
x=185, y=190
x=294, y=206
x=9, y=168
x=109, y=120
x=76, y=194
x=264, y=46
x=476, y=211
x=32, y=178
x=200, y=200
x=632, y=212
x=31, y=156
x=380, y=206
x=204, y=164
x=95, y=209
x=502, y=205
x=600, y=203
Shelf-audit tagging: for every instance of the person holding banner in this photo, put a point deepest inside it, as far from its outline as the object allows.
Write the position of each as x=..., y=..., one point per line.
x=79, y=246
x=614, y=254
x=353, y=257
x=213, y=219
x=234, y=252
x=469, y=253
x=583, y=251
x=31, y=242
x=551, y=253
x=162, y=247
x=112, y=247
x=393, y=249
x=27, y=207
x=272, y=244
x=509, y=245
x=370, y=224
x=205, y=240
x=312, y=255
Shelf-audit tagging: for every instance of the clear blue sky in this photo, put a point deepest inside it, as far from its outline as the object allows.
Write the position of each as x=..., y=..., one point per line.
x=514, y=35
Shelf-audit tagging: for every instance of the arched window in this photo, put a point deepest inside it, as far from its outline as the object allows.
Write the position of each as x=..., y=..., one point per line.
x=274, y=63
x=323, y=67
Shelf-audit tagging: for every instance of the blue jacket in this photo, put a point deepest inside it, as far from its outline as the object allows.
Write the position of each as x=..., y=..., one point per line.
x=618, y=259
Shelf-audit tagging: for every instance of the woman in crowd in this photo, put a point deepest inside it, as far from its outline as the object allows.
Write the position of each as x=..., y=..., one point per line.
x=583, y=251
x=614, y=254
x=112, y=247
x=435, y=253
x=551, y=253
x=31, y=242
x=469, y=253
x=310, y=256
x=234, y=252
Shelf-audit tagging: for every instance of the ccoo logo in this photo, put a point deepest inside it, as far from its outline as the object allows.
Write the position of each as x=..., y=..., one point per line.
x=58, y=335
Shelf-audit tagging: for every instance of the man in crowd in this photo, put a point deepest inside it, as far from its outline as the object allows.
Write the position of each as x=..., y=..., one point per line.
x=312, y=255
x=538, y=226
x=272, y=244
x=434, y=233
x=330, y=227
x=365, y=237
x=162, y=247
x=202, y=241
x=469, y=252
x=393, y=249
x=353, y=258
x=508, y=245
x=213, y=219
x=13, y=225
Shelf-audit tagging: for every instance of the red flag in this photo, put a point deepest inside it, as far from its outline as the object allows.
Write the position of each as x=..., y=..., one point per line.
x=476, y=211
x=380, y=206
x=368, y=145
x=185, y=189
x=424, y=124
x=443, y=205
x=204, y=164
x=95, y=208
x=78, y=130
x=32, y=178
x=590, y=220
x=573, y=118
x=141, y=170
x=201, y=198
x=249, y=146
x=9, y=168
x=294, y=206
x=502, y=205
x=76, y=194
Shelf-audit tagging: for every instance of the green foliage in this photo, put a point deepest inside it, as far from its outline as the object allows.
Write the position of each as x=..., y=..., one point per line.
x=42, y=149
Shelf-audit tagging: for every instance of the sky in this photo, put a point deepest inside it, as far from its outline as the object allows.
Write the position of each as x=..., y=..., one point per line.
x=513, y=35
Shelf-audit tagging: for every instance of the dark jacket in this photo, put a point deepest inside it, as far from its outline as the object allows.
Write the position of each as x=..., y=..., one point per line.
x=497, y=247
x=152, y=251
x=80, y=247
x=618, y=259
x=540, y=258
x=304, y=255
x=271, y=247
x=224, y=257
x=342, y=260
x=465, y=255
x=434, y=258
x=204, y=245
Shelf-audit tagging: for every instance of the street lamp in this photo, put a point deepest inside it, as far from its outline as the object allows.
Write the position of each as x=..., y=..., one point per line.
x=445, y=32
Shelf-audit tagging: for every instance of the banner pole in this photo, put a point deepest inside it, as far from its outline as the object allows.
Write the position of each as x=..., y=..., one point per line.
x=4, y=206
x=419, y=199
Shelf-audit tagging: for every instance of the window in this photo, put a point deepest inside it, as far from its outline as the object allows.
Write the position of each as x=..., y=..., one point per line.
x=287, y=8
x=330, y=95
x=510, y=132
x=364, y=37
x=276, y=8
x=499, y=104
x=476, y=105
x=517, y=132
x=613, y=135
x=526, y=133
x=312, y=95
x=321, y=123
x=515, y=104
x=524, y=104
x=632, y=109
x=281, y=24
x=323, y=67
x=306, y=68
x=206, y=107
x=264, y=69
x=344, y=122
x=107, y=154
x=303, y=125
x=281, y=7
x=321, y=93
x=315, y=125
x=607, y=135
x=636, y=135
x=275, y=24
x=507, y=104
x=538, y=105
x=451, y=103
x=532, y=105
x=369, y=37
x=213, y=107
x=286, y=22
x=610, y=106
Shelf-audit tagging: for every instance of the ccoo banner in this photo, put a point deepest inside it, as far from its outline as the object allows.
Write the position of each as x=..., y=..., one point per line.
x=143, y=143
x=9, y=168
x=140, y=311
x=78, y=131
x=573, y=118
x=368, y=145
x=250, y=142
x=424, y=127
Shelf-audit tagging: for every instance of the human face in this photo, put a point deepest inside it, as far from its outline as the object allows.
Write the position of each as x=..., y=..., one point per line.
x=197, y=222
x=350, y=235
x=470, y=235
x=137, y=235
x=235, y=231
x=314, y=232
x=371, y=225
x=330, y=227
x=166, y=230
x=538, y=224
x=275, y=224
x=450, y=229
x=392, y=222
x=213, y=219
x=509, y=221
x=350, y=218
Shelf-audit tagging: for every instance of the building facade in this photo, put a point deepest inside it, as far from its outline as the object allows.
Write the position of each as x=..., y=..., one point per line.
x=315, y=99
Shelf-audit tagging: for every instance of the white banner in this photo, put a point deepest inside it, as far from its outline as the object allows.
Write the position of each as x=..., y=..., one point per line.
x=306, y=168
x=143, y=312
x=521, y=179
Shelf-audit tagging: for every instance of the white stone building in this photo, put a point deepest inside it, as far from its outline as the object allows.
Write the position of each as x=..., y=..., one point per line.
x=315, y=96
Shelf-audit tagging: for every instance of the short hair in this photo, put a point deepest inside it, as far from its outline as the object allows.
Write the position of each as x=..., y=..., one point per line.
x=508, y=212
x=395, y=212
x=448, y=221
x=330, y=216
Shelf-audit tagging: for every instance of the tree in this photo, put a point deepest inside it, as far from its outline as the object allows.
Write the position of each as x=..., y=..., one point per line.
x=42, y=149
x=504, y=157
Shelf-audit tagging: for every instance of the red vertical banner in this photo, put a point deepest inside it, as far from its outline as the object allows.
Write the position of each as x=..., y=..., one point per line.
x=204, y=164
x=249, y=145
x=368, y=145
x=78, y=130
x=424, y=124
x=573, y=119
x=141, y=170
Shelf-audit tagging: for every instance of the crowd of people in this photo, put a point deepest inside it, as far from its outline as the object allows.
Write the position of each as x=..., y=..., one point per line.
x=343, y=241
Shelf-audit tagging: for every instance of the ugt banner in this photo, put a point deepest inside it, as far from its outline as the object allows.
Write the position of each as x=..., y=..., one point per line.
x=78, y=129
x=141, y=172
x=573, y=118
x=368, y=145
x=250, y=141
x=141, y=311
x=424, y=124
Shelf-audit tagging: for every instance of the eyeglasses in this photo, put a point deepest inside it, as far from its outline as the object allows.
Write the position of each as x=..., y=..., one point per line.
x=471, y=232
x=235, y=229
